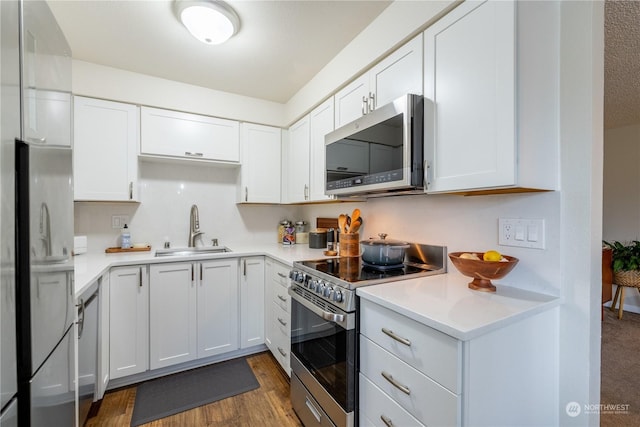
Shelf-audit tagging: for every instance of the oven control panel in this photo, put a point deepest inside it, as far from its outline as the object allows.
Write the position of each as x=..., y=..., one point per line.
x=328, y=291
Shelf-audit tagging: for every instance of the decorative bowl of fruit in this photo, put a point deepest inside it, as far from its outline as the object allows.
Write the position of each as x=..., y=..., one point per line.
x=483, y=267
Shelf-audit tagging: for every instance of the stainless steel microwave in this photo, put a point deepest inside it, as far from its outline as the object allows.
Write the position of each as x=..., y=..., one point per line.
x=379, y=153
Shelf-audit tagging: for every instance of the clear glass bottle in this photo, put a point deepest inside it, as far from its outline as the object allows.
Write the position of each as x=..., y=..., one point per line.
x=302, y=232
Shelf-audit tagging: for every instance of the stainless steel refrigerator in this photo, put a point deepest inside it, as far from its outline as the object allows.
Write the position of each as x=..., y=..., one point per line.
x=36, y=245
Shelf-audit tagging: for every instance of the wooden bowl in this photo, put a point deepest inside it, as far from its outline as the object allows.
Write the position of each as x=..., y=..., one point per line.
x=483, y=272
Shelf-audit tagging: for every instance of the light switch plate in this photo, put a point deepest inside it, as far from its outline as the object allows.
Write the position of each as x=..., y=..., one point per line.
x=521, y=232
x=118, y=221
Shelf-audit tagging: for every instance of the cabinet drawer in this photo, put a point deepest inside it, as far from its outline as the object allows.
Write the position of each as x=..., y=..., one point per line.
x=281, y=298
x=376, y=406
x=431, y=352
x=426, y=400
x=281, y=274
x=282, y=318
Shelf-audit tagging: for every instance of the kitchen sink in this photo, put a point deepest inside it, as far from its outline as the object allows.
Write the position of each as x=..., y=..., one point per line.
x=192, y=251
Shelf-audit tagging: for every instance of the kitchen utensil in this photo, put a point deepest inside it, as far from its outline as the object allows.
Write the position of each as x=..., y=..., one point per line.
x=342, y=222
x=355, y=225
x=382, y=251
x=355, y=214
x=481, y=271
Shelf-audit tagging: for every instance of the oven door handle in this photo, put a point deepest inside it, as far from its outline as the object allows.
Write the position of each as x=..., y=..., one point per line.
x=344, y=320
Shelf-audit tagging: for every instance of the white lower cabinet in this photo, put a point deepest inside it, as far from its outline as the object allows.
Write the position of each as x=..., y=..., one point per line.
x=217, y=306
x=278, y=312
x=409, y=373
x=192, y=310
x=128, y=321
x=172, y=314
x=103, y=336
x=251, y=301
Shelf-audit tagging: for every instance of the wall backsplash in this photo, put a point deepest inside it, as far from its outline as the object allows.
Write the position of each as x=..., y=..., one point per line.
x=167, y=191
x=465, y=224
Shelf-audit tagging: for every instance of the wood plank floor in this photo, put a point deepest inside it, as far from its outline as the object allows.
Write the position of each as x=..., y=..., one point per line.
x=268, y=405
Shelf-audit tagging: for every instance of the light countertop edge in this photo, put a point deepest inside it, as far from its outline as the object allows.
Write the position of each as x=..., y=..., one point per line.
x=444, y=302
x=91, y=266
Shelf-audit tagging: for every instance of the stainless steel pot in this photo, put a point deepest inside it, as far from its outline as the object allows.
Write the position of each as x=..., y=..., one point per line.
x=383, y=252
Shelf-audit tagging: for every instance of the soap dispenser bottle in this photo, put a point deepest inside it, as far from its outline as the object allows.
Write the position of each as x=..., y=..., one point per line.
x=125, y=238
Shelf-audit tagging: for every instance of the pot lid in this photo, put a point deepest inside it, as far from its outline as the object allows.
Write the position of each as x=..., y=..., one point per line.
x=383, y=241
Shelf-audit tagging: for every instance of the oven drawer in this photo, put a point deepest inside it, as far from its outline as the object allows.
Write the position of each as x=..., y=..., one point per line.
x=306, y=407
x=375, y=406
x=422, y=397
x=431, y=352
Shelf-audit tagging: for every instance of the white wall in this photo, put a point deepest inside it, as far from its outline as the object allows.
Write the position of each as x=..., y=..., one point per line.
x=468, y=224
x=621, y=193
x=167, y=191
x=99, y=81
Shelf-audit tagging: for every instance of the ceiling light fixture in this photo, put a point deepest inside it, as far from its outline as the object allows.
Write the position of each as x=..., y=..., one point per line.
x=210, y=21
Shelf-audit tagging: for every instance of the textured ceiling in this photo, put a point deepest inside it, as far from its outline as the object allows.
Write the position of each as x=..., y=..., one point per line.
x=622, y=63
x=281, y=44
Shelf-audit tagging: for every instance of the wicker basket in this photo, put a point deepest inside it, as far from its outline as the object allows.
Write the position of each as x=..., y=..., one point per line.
x=629, y=278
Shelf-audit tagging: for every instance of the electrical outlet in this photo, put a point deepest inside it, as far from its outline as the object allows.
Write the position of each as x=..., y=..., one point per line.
x=118, y=221
x=525, y=233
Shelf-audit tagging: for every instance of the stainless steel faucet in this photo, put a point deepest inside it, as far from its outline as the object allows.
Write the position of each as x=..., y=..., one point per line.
x=194, y=226
x=45, y=228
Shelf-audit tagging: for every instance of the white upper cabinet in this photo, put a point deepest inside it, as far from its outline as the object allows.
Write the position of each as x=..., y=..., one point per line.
x=297, y=166
x=173, y=134
x=105, y=164
x=397, y=74
x=321, y=123
x=492, y=83
x=261, y=164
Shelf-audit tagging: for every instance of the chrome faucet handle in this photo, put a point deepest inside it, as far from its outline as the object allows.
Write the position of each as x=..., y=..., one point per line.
x=167, y=244
x=214, y=242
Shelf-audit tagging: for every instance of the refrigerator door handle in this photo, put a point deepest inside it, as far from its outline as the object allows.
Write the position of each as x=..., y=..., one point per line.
x=81, y=306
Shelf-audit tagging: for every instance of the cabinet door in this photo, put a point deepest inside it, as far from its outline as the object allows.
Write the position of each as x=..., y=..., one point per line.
x=105, y=164
x=261, y=164
x=129, y=321
x=470, y=76
x=321, y=123
x=172, y=314
x=217, y=306
x=398, y=74
x=351, y=102
x=103, y=336
x=298, y=161
x=252, y=302
x=184, y=135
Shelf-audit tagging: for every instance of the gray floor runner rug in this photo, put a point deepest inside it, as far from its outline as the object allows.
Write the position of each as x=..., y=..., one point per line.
x=180, y=392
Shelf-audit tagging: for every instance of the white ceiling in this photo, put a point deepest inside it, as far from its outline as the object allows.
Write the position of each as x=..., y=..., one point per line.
x=281, y=45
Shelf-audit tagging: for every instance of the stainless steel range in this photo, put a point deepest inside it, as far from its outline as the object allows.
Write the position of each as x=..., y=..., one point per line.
x=324, y=329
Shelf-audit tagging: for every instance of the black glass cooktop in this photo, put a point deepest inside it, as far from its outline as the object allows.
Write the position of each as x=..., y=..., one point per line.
x=357, y=273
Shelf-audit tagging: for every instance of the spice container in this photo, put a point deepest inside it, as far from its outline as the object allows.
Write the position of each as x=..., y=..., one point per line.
x=302, y=232
x=282, y=225
x=289, y=236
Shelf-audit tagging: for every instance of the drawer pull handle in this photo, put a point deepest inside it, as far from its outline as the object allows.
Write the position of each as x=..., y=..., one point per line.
x=395, y=337
x=282, y=352
x=396, y=384
x=189, y=153
x=282, y=322
x=312, y=409
x=281, y=298
x=284, y=276
x=386, y=420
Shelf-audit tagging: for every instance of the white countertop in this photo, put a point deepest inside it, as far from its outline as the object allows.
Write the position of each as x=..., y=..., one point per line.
x=90, y=266
x=444, y=302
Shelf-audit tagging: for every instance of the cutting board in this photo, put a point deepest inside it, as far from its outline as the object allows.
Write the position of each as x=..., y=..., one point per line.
x=117, y=250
